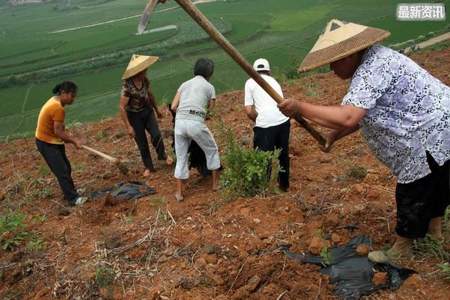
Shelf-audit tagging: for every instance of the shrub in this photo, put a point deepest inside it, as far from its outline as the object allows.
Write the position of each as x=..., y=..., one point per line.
x=248, y=172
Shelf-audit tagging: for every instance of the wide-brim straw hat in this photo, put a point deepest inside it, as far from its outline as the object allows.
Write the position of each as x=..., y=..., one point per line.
x=137, y=64
x=340, y=40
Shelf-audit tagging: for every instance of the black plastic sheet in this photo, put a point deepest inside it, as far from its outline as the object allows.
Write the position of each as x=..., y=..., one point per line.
x=125, y=191
x=350, y=273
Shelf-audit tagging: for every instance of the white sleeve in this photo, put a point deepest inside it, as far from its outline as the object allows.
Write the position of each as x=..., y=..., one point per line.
x=249, y=94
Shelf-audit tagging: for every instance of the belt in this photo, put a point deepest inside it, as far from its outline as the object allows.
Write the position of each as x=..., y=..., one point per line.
x=197, y=113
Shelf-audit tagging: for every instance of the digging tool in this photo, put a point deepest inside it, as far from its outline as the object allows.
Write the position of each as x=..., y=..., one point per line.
x=122, y=167
x=146, y=15
x=201, y=20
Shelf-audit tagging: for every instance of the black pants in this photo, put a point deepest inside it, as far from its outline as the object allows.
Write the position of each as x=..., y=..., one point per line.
x=422, y=200
x=275, y=137
x=142, y=121
x=56, y=159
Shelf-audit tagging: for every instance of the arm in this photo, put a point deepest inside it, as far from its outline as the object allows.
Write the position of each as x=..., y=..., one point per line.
x=338, y=134
x=210, y=109
x=175, y=102
x=60, y=131
x=211, y=104
x=333, y=117
x=123, y=114
x=251, y=112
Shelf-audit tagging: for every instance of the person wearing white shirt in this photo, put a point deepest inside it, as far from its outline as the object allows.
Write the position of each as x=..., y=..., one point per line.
x=193, y=99
x=272, y=127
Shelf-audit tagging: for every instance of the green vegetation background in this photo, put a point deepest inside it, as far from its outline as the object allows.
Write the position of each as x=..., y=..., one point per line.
x=33, y=58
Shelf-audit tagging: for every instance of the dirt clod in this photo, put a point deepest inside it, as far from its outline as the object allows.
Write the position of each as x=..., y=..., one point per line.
x=332, y=220
x=380, y=278
x=245, y=291
x=336, y=238
x=362, y=250
x=372, y=195
x=316, y=245
x=64, y=211
x=211, y=259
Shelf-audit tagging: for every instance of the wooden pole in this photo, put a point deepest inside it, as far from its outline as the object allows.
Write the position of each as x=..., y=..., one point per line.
x=201, y=20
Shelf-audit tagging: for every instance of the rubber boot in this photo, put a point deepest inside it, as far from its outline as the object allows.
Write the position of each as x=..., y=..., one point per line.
x=401, y=248
x=435, y=229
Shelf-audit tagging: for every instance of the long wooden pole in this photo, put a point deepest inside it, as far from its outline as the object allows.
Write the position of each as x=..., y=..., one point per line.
x=201, y=20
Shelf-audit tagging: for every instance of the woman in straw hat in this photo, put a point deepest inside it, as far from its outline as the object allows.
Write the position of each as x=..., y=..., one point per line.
x=404, y=114
x=137, y=109
x=191, y=103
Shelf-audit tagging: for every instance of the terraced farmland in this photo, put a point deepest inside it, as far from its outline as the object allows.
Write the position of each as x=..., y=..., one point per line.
x=90, y=42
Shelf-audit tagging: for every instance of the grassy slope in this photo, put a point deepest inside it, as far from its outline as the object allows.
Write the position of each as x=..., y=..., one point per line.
x=281, y=30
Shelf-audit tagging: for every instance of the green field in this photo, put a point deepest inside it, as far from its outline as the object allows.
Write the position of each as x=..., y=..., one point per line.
x=41, y=45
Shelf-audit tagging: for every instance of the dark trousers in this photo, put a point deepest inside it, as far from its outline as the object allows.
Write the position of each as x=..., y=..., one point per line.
x=56, y=159
x=275, y=137
x=142, y=121
x=422, y=200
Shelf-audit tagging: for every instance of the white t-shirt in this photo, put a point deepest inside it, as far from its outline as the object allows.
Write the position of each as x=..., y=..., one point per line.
x=194, y=97
x=268, y=113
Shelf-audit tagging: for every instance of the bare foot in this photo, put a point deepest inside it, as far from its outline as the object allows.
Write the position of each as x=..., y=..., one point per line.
x=147, y=173
x=179, y=197
x=169, y=161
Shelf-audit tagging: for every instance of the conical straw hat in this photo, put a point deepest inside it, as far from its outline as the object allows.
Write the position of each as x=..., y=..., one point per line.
x=339, y=40
x=138, y=63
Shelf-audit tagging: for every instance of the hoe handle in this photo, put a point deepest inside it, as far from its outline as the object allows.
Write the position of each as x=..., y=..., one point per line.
x=201, y=20
x=101, y=154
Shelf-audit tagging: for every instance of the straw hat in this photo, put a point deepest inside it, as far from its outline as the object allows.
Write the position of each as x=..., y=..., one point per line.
x=339, y=40
x=138, y=63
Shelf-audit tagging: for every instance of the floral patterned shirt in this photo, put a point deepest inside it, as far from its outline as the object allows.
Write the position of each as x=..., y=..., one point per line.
x=408, y=112
x=138, y=98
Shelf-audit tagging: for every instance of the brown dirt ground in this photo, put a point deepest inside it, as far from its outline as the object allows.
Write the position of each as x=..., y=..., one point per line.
x=211, y=249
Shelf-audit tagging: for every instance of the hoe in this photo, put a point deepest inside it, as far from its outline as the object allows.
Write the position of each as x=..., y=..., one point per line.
x=201, y=20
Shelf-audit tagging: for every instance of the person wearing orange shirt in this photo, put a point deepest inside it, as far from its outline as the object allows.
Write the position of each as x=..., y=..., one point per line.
x=51, y=137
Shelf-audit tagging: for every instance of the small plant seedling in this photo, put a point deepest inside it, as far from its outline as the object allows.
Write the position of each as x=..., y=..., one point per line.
x=356, y=172
x=104, y=276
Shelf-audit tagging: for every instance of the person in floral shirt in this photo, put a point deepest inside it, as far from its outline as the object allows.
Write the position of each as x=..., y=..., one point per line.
x=404, y=114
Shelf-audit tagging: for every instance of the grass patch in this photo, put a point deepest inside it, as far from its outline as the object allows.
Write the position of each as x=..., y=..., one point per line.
x=104, y=276
x=445, y=270
x=356, y=172
x=12, y=230
x=13, y=233
x=157, y=201
x=430, y=247
x=293, y=20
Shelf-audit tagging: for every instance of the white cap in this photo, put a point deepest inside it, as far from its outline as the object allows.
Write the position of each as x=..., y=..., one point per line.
x=261, y=64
